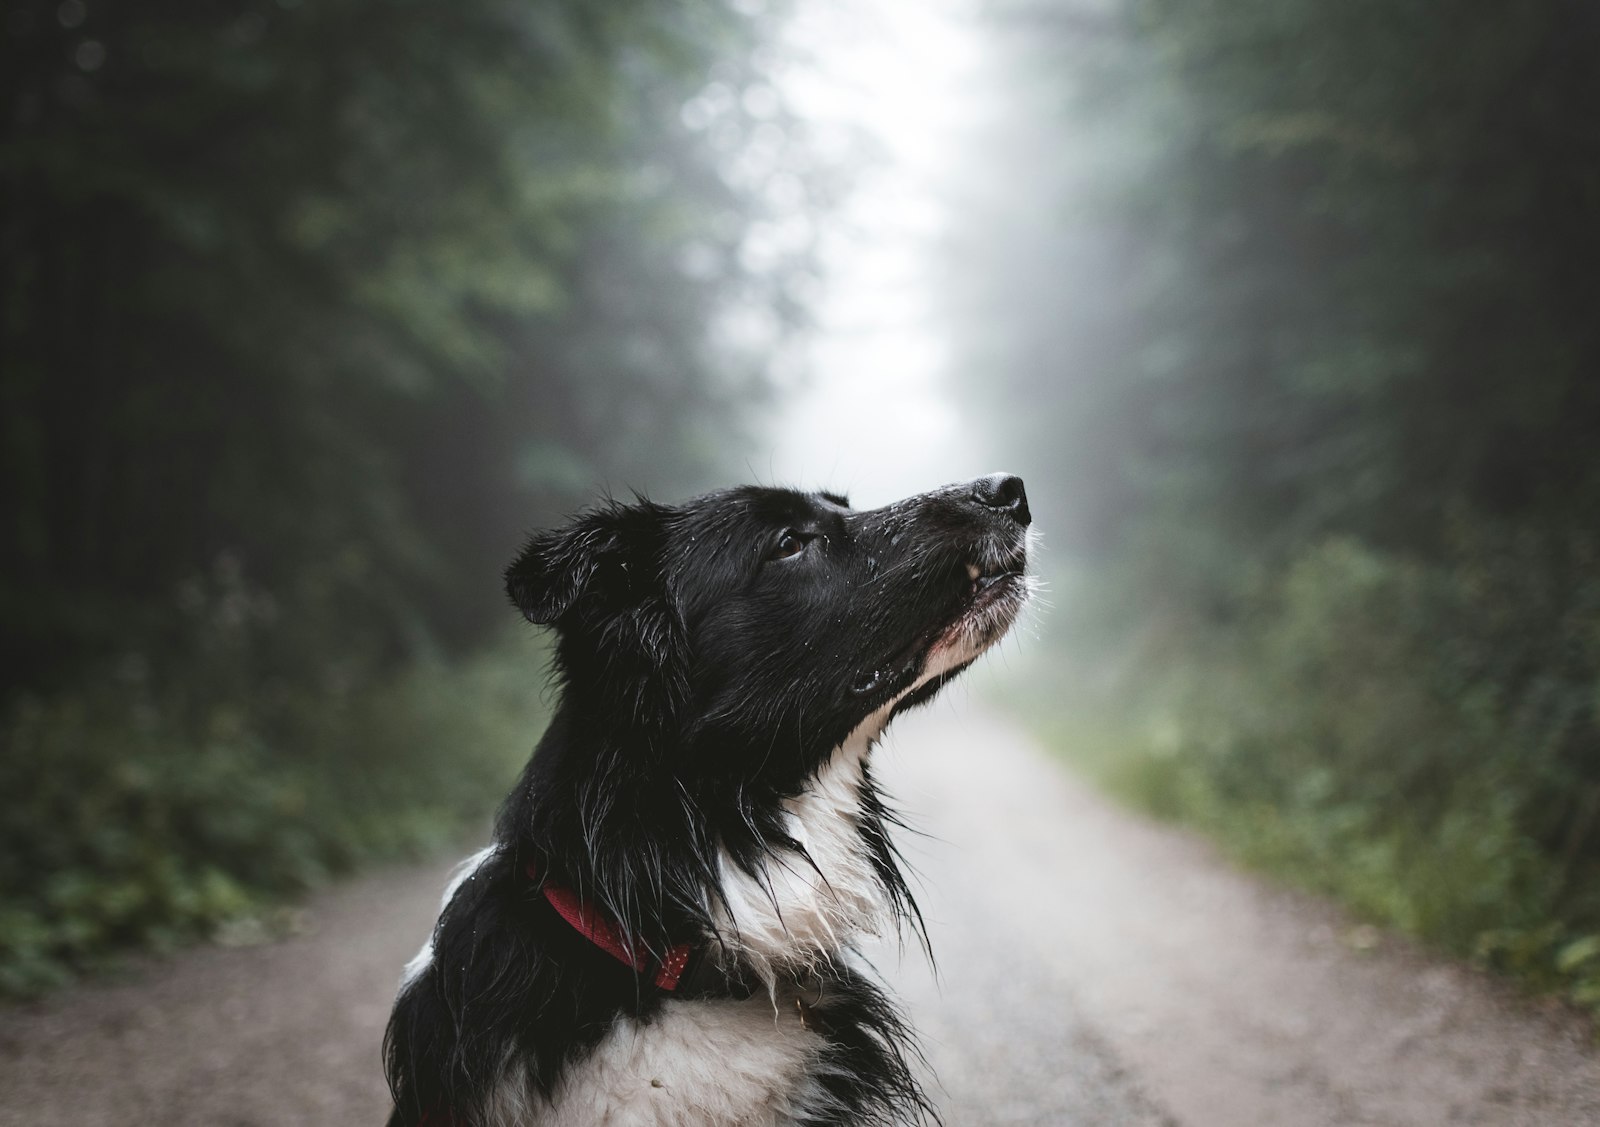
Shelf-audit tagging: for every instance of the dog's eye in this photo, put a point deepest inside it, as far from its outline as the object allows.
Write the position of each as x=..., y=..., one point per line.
x=790, y=543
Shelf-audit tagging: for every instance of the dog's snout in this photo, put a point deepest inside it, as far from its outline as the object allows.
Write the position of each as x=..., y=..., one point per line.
x=1003, y=493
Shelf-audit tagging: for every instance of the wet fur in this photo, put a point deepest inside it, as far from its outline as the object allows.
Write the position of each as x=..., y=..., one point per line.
x=706, y=778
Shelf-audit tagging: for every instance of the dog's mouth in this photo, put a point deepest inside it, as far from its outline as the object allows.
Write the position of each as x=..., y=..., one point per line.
x=988, y=582
x=996, y=589
x=989, y=593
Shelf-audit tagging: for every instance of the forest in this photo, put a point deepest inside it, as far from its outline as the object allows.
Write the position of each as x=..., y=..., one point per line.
x=1307, y=344
x=310, y=309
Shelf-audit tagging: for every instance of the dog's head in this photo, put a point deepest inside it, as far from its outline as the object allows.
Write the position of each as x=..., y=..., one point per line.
x=756, y=628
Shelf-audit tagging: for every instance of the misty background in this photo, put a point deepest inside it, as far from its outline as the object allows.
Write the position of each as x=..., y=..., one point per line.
x=1287, y=313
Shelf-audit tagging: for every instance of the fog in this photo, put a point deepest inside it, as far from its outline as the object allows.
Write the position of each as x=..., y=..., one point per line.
x=874, y=415
x=310, y=314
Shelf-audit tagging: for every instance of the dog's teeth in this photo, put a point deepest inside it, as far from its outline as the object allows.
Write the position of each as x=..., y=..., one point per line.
x=972, y=571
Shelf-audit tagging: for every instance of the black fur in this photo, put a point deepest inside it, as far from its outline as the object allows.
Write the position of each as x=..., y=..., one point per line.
x=711, y=655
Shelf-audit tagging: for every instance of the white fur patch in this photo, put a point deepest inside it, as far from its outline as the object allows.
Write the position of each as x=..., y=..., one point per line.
x=701, y=1063
x=793, y=915
x=458, y=876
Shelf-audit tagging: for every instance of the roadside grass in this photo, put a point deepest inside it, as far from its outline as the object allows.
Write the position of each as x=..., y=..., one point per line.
x=136, y=819
x=1465, y=880
x=1345, y=738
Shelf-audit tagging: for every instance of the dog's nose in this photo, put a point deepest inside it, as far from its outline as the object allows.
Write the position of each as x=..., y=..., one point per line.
x=1003, y=492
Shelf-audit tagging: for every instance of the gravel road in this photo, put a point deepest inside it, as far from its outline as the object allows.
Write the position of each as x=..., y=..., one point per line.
x=1093, y=969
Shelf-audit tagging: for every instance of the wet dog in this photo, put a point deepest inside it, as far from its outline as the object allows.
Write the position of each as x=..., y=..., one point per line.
x=663, y=928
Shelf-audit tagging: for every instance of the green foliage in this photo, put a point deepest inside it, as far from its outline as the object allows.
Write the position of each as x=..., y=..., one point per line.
x=308, y=312
x=1304, y=357
x=1304, y=268
x=1342, y=735
x=140, y=817
x=356, y=294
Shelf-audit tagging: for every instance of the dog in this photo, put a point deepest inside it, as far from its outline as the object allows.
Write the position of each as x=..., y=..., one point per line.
x=663, y=929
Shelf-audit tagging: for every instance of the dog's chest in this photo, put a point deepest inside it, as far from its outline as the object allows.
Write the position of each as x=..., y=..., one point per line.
x=696, y=1063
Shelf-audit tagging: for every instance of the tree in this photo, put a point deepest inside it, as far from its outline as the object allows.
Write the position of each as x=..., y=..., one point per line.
x=349, y=294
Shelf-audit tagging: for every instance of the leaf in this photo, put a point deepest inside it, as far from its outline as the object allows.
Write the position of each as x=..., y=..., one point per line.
x=1577, y=953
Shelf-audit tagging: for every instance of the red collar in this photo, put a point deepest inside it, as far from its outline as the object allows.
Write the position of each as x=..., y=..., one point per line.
x=593, y=924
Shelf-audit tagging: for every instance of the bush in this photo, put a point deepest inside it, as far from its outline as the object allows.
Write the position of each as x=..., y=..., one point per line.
x=1414, y=739
x=143, y=817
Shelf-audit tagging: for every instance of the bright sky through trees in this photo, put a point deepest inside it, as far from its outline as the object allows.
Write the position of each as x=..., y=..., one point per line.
x=874, y=419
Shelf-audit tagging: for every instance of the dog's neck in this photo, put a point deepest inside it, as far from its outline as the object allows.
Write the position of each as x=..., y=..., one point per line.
x=796, y=910
x=818, y=875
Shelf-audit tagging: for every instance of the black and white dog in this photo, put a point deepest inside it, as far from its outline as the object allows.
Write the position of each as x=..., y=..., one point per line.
x=663, y=929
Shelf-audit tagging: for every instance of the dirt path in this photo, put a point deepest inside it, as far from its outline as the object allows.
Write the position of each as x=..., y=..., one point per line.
x=1234, y=1003
x=285, y=1033
x=1094, y=970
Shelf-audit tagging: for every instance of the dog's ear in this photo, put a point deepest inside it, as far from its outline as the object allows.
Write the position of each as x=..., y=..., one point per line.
x=556, y=567
x=599, y=581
